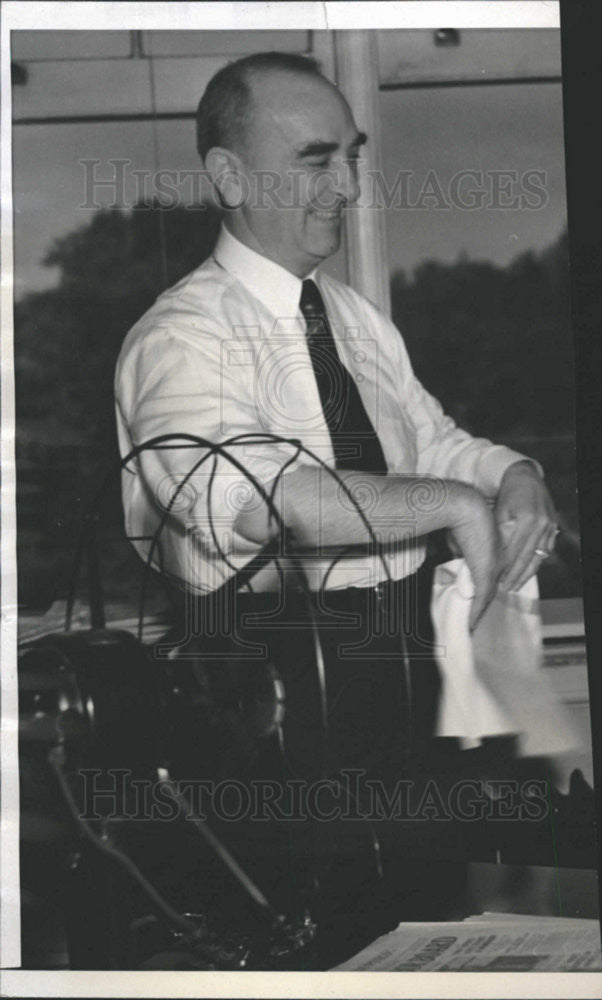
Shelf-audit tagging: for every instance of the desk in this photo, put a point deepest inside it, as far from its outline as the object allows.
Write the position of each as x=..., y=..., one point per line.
x=450, y=891
x=550, y=892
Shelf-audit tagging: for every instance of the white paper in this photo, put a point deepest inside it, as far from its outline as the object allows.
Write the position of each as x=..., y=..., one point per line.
x=495, y=943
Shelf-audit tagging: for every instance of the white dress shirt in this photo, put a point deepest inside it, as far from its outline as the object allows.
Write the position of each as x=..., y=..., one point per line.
x=223, y=353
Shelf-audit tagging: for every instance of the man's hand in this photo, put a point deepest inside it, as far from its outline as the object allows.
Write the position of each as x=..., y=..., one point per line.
x=526, y=520
x=475, y=533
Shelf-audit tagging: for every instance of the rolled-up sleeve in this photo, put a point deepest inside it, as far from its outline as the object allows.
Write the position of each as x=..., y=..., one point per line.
x=175, y=383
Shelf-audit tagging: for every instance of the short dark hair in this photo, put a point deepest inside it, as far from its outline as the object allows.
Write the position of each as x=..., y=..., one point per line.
x=224, y=108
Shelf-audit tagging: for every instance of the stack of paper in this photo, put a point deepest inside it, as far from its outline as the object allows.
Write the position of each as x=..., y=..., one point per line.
x=490, y=942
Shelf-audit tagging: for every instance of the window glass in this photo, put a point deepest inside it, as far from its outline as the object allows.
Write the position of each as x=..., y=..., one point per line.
x=44, y=45
x=476, y=228
x=92, y=252
x=418, y=56
x=232, y=43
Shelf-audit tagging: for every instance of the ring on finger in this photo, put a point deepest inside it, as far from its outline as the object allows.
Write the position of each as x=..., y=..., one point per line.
x=542, y=553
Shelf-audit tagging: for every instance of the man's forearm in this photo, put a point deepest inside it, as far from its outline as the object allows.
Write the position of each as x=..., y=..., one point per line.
x=320, y=512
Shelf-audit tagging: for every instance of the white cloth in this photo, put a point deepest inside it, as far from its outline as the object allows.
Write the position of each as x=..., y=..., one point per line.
x=223, y=353
x=494, y=682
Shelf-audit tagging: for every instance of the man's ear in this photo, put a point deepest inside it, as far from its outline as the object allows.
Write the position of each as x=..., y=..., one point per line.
x=228, y=177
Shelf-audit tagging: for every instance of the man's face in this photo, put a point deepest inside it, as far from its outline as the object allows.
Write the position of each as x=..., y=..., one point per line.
x=300, y=161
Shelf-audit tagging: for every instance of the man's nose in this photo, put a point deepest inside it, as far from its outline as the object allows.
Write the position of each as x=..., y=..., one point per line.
x=347, y=183
x=339, y=184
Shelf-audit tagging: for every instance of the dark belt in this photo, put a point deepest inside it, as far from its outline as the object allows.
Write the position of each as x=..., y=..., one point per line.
x=380, y=590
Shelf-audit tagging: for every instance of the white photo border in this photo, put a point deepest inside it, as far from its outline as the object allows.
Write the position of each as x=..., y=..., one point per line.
x=180, y=17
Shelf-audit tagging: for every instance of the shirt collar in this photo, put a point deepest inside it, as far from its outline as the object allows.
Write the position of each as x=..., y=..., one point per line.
x=273, y=285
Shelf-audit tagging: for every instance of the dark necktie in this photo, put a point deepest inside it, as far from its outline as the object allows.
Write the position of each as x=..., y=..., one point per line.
x=354, y=440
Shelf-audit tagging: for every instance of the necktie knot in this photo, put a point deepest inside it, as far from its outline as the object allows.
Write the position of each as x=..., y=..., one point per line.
x=311, y=303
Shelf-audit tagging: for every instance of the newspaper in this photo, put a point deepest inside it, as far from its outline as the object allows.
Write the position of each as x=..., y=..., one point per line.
x=490, y=942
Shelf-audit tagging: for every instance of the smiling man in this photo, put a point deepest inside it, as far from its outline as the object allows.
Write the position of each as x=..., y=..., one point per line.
x=301, y=134
x=258, y=342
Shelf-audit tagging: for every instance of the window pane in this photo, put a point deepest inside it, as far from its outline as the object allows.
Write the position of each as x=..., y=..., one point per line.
x=108, y=262
x=476, y=228
x=26, y=45
x=415, y=56
x=70, y=88
x=212, y=43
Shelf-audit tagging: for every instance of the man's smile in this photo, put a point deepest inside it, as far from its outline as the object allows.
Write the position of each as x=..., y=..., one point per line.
x=326, y=215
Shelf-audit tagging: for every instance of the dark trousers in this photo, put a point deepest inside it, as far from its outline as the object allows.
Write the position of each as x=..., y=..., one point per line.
x=356, y=669
x=360, y=692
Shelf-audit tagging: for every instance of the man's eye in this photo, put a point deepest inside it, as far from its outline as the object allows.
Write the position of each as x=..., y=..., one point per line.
x=319, y=163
